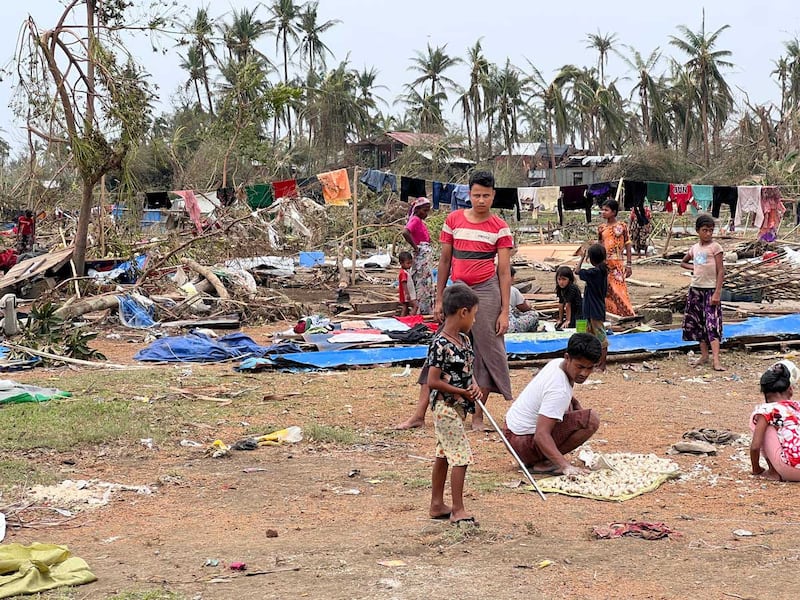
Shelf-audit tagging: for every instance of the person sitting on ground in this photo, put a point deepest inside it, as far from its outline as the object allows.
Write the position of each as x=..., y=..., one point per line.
x=776, y=427
x=546, y=421
x=405, y=286
x=522, y=317
x=453, y=394
x=570, y=301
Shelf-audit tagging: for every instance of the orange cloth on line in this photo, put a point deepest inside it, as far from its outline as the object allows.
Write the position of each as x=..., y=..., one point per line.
x=615, y=238
x=335, y=187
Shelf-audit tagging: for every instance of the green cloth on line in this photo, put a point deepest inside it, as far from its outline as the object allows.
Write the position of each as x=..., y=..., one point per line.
x=703, y=195
x=38, y=568
x=260, y=195
x=657, y=191
x=12, y=392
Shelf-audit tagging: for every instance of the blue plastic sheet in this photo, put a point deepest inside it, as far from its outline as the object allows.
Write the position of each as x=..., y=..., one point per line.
x=654, y=341
x=134, y=315
x=198, y=347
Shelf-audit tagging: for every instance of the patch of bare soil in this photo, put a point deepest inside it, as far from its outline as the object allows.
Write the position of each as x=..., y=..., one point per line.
x=340, y=511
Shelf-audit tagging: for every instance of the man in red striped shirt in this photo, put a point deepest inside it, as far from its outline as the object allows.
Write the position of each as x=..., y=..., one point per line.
x=476, y=250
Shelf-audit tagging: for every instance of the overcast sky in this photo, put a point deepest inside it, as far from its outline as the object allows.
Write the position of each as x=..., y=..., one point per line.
x=385, y=34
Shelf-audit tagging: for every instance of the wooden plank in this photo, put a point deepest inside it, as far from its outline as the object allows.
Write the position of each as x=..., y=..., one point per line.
x=375, y=307
x=38, y=265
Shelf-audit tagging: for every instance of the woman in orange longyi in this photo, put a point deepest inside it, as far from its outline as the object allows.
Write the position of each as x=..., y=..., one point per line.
x=614, y=236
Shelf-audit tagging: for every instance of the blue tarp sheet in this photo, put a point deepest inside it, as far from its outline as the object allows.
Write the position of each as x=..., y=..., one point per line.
x=654, y=341
x=197, y=347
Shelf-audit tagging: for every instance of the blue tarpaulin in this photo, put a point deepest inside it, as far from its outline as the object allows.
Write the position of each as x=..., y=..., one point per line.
x=197, y=347
x=654, y=341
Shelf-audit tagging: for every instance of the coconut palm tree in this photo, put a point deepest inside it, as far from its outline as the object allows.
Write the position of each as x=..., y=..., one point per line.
x=426, y=108
x=554, y=104
x=431, y=67
x=201, y=29
x=241, y=34
x=511, y=89
x=472, y=103
x=705, y=65
x=604, y=44
x=645, y=84
x=192, y=64
x=285, y=17
x=311, y=45
x=365, y=94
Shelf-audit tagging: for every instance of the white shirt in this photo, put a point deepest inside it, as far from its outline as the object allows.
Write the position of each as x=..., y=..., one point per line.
x=549, y=393
x=515, y=297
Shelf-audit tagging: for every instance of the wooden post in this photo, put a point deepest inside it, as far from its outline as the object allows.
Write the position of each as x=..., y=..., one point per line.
x=669, y=233
x=355, y=227
x=101, y=222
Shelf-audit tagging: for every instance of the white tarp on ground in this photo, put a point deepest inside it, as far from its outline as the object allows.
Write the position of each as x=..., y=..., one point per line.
x=282, y=266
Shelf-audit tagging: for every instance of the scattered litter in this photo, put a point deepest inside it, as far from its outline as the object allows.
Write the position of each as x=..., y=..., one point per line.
x=374, y=481
x=348, y=492
x=191, y=444
x=641, y=529
x=81, y=494
x=271, y=533
x=592, y=382
x=237, y=566
x=392, y=563
x=253, y=470
x=404, y=373
x=290, y=435
x=211, y=562
x=353, y=472
x=218, y=449
x=693, y=447
x=147, y=443
x=712, y=436
x=742, y=533
x=543, y=564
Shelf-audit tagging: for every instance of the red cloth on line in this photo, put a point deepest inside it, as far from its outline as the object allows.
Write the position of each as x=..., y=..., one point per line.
x=681, y=195
x=285, y=189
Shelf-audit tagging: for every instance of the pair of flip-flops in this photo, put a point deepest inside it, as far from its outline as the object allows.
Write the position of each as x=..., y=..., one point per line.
x=468, y=521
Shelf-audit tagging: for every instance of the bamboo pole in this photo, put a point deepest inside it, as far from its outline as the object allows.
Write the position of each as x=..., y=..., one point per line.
x=669, y=234
x=355, y=226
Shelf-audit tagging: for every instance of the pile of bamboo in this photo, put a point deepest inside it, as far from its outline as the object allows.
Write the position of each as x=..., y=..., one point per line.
x=774, y=278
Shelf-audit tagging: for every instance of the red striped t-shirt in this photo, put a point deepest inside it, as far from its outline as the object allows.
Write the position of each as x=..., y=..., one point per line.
x=474, y=246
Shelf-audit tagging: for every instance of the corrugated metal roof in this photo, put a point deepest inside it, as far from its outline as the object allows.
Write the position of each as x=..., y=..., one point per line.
x=410, y=138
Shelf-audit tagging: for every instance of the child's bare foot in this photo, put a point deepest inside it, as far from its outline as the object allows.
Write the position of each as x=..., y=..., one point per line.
x=411, y=423
x=699, y=362
x=440, y=511
x=718, y=366
x=462, y=518
x=772, y=474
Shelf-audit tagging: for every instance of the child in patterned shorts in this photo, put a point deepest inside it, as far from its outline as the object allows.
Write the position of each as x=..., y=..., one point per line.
x=453, y=394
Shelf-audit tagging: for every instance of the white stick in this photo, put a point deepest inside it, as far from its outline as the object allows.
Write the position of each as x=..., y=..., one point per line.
x=510, y=448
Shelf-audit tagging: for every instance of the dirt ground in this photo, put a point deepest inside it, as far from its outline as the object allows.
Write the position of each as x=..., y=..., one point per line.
x=340, y=510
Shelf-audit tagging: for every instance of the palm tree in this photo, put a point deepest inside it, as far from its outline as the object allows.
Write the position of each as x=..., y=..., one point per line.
x=478, y=75
x=192, y=64
x=431, y=68
x=242, y=32
x=511, y=88
x=285, y=16
x=603, y=43
x=201, y=29
x=554, y=105
x=704, y=66
x=426, y=109
x=365, y=94
x=646, y=85
x=311, y=44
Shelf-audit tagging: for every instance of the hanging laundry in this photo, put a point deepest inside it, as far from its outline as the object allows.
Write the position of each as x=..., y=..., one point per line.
x=411, y=187
x=547, y=197
x=527, y=198
x=192, y=207
x=773, y=209
x=441, y=193
x=376, y=180
x=657, y=191
x=285, y=189
x=749, y=202
x=226, y=195
x=703, y=197
x=460, y=197
x=573, y=197
x=680, y=195
x=727, y=195
x=633, y=194
x=310, y=187
x=601, y=191
x=259, y=195
x=506, y=198
x=335, y=187
x=156, y=200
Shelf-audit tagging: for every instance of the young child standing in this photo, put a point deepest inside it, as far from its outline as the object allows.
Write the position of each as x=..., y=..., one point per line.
x=569, y=299
x=702, y=318
x=406, y=292
x=594, y=296
x=453, y=394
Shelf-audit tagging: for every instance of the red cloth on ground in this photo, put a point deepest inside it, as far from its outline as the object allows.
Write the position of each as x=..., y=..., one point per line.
x=412, y=320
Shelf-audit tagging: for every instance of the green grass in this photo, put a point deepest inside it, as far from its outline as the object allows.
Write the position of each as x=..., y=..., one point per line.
x=16, y=472
x=327, y=434
x=148, y=595
x=418, y=483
